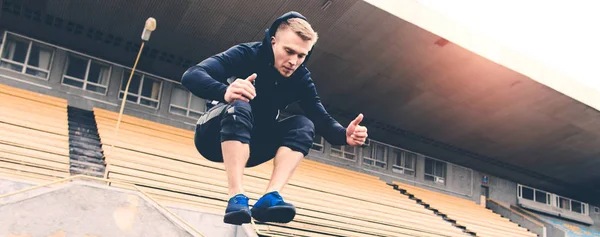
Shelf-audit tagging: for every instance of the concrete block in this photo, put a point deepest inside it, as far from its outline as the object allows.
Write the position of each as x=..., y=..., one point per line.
x=86, y=209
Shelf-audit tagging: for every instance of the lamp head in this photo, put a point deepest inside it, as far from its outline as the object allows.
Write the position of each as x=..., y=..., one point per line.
x=150, y=24
x=148, y=28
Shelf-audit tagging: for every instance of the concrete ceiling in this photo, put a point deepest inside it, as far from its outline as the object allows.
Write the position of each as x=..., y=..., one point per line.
x=416, y=89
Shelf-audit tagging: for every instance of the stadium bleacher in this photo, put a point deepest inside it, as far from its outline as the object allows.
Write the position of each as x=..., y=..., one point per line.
x=34, y=139
x=475, y=218
x=162, y=160
x=330, y=200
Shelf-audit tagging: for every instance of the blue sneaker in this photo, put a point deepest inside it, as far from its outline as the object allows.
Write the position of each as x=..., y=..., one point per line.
x=272, y=208
x=237, y=211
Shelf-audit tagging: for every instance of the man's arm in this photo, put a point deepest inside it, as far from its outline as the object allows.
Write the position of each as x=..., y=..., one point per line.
x=325, y=124
x=208, y=78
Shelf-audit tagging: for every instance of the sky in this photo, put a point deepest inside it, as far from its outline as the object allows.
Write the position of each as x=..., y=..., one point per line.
x=562, y=34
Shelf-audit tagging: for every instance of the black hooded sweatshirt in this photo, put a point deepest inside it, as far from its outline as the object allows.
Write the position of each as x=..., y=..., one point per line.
x=209, y=80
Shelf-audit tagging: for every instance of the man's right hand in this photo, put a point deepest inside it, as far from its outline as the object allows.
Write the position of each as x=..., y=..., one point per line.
x=241, y=89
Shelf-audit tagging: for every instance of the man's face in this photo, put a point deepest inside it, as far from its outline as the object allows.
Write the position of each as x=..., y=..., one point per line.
x=289, y=51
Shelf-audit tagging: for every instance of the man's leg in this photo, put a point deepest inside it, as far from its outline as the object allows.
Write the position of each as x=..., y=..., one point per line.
x=235, y=156
x=236, y=129
x=295, y=135
x=285, y=163
x=223, y=135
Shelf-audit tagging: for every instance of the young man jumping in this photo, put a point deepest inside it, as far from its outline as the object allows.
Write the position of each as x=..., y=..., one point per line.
x=252, y=82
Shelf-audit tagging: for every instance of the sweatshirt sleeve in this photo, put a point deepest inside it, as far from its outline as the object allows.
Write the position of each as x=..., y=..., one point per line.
x=325, y=124
x=208, y=79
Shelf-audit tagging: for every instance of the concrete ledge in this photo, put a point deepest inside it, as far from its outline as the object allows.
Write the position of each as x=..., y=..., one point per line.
x=528, y=223
x=84, y=208
x=554, y=211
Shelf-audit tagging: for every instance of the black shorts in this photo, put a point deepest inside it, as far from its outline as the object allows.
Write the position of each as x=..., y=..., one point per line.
x=235, y=121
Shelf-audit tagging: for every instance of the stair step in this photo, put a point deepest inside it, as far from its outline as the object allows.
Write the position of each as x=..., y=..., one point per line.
x=93, y=138
x=81, y=114
x=78, y=110
x=86, y=152
x=82, y=119
x=85, y=135
x=85, y=145
x=81, y=125
x=85, y=140
x=83, y=130
x=86, y=163
x=87, y=159
x=93, y=173
x=435, y=211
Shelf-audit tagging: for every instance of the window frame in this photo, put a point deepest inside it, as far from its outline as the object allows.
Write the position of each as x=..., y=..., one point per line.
x=321, y=144
x=559, y=203
x=342, y=150
x=554, y=200
x=25, y=64
x=57, y=47
x=425, y=174
x=372, y=158
x=533, y=198
x=139, y=93
x=188, y=109
x=534, y=190
x=87, y=72
x=402, y=169
x=581, y=205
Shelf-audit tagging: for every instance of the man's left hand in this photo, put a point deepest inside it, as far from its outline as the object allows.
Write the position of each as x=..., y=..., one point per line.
x=356, y=135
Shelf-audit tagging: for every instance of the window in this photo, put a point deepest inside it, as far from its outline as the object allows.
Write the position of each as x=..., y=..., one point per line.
x=404, y=162
x=183, y=102
x=540, y=196
x=527, y=193
x=534, y=194
x=143, y=89
x=572, y=205
x=546, y=198
x=597, y=210
x=375, y=154
x=26, y=56
x=86, y=74
x=576, y=207
x=564, y=203
x=318, y=143
x=435, y=170
x=346, y=152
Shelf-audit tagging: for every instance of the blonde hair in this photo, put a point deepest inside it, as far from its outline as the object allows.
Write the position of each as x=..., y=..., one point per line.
x=301, y=27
